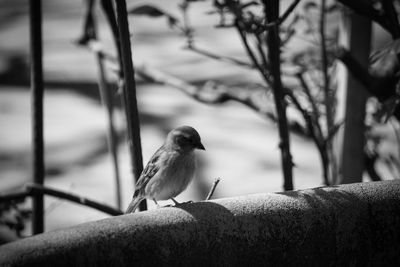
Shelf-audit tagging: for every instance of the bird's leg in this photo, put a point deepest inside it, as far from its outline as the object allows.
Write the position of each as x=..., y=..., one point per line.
x=158, y=206
x=175, y=202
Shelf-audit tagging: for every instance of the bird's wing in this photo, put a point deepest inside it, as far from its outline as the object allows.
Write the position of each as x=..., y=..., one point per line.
x=149, y=171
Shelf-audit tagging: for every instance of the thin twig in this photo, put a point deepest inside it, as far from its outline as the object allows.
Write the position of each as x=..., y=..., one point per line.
x=285, y=15
x=326, y=88
x=288, y=11
x=315, y=118
x=314, y=130
x=331, y=132
x=219, y=95
x=307, y=91
x=220, y=58
x=34, y=190
x=108, y=9
x=249, y=51
x=106, y=98
x=324, y=57
x=210, y=194
x=261, y=52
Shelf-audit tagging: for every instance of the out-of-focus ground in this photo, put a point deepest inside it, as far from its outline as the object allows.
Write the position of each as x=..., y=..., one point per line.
x=242, y=147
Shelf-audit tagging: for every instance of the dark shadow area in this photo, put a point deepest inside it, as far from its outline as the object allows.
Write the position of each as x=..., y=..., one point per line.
x=216, y=237
x=323, y=196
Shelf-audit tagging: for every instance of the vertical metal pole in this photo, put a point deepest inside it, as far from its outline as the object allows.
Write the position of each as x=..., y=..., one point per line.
x=353, y=96
x=37, y=111
x=132, y=112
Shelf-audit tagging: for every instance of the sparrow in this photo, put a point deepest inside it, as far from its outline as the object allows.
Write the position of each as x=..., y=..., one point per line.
x=170, y=170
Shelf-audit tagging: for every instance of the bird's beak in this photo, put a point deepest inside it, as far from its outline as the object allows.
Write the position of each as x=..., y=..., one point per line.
x=200, y=146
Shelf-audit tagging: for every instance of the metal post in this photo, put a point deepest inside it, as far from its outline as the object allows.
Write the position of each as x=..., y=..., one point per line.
x=37, y=112
x=132, y=113
x=356, y=36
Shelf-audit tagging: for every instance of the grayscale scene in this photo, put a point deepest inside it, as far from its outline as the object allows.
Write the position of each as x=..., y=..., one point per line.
x=199, y=133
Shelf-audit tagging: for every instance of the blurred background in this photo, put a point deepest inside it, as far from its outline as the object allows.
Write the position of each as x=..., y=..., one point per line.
x=242, y=147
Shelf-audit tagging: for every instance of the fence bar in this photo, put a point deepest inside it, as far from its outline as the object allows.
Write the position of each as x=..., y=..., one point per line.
x=356, y=37
x=132, y=113
x=37, y=111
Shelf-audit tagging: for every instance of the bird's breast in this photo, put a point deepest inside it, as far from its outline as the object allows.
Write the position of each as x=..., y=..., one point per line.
x=175, y=174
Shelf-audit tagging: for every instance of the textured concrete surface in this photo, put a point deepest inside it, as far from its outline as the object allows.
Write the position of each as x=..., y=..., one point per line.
x=348, y=225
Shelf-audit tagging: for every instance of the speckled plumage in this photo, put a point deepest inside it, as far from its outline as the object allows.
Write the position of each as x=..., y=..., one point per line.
x=171, y=168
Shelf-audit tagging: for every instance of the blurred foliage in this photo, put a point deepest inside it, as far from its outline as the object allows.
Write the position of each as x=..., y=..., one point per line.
x=14, y=216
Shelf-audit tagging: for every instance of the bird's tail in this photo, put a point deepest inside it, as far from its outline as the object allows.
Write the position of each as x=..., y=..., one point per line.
x=134, y=204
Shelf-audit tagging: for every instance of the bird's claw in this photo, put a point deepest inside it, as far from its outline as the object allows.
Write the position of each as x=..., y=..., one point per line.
x=176, y=204
x=186, y=202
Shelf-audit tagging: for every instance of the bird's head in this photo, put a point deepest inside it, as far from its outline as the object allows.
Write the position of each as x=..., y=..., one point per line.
x=184, y=138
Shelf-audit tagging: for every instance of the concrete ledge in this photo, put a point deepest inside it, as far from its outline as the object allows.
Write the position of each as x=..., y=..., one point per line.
x=348, y=225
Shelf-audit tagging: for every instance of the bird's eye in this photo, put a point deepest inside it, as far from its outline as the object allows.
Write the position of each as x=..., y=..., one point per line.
x=182, y=140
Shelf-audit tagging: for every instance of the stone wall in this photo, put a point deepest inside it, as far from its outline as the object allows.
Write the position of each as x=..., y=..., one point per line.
x=347, y=225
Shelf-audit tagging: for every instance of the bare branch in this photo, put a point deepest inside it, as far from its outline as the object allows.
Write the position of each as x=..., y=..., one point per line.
x=328, y=99
x=285, y=15
x=210, y=194
x=310, y=98
x=220, y=58
x=215, y=95
x=315, y=131
x=250, y=52
x=310, y=122
x=261, y=52
x=288, y=11
x=324, y=57
x=35, y=189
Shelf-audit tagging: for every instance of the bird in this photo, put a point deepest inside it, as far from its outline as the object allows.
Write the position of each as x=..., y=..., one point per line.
x=170, y=170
